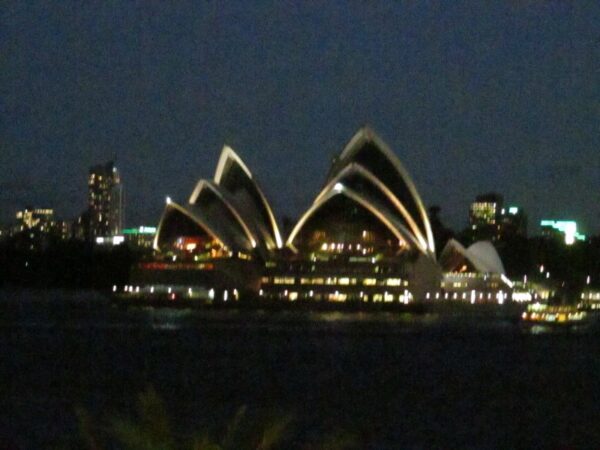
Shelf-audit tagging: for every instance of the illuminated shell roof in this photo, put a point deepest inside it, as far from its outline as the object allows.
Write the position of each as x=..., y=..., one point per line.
x=173, y=212
x=370, y=204
x=368, y=172
x=481, y=256
x=357, y=178
x=484, y=255
x=233, y=177
x=371, y=152
x=232, y=209
x=214, y=206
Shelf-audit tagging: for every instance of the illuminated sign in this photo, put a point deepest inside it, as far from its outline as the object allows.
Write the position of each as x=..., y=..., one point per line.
x=140, y=230
x=567, y=227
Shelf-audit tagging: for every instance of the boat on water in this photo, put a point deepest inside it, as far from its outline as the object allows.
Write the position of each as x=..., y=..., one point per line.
x=554, y=315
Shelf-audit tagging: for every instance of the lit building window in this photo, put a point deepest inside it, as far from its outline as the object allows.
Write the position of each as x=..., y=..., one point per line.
x=283, y=280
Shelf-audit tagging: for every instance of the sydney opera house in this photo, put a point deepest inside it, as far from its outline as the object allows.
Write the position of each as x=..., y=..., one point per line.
x=365, y=238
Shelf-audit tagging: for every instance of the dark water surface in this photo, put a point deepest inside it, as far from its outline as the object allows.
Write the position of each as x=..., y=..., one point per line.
x=394, y=381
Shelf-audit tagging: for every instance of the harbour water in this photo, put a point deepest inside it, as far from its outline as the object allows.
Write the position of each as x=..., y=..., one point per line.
x=388, y=380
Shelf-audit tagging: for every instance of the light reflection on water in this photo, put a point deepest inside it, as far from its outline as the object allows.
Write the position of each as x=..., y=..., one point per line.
x=549, y=329
x=78, y=310
x=165, y=319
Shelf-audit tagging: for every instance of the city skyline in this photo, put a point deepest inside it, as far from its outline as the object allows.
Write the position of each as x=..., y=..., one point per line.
x=472, y=98
x=537, y=227
x=503, y=213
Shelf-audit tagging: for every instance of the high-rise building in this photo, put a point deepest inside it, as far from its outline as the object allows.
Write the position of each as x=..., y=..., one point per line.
x=105, y=201
x=485, y=210
x=490, y=220
x=485, y=214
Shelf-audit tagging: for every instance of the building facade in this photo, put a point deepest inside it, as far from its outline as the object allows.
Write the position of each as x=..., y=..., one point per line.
x=485, y=216
x=105, y=201
x=490, y=220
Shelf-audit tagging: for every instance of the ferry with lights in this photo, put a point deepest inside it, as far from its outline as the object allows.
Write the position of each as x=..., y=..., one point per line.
x=555, y=315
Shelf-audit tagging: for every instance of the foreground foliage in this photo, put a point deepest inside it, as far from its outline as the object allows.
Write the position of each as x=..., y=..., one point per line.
x=151, y=428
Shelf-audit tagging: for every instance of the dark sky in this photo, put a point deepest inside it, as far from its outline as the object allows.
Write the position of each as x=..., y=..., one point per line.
x=473, y=96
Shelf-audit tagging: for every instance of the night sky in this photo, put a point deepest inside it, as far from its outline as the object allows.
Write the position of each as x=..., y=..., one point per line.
x=472, y=96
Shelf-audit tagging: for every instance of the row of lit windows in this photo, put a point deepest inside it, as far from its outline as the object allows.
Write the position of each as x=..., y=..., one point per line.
x=180, y=292
x=473, y=296
x=213, y=253
x=484, y=211
x=340, y=296
x=339, y=281
x=30, y=213
x=470, y=275
x=338, y=247
x=459, y=285
x=93, y=177
x=211, y=248
x=358, y=268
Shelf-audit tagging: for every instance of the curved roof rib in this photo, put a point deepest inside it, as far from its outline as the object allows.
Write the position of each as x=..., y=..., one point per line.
x=367, y=149
x=229, y=156
x=234, y=177
x=355, y=173
x=196, y=198
x=190, y=215
x=378, y=211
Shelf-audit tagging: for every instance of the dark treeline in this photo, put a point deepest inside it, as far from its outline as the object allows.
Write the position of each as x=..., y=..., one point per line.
x=568, y=265
x=28, y=261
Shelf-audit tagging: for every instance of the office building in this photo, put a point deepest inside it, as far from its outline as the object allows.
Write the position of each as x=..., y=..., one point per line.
x=490, y=220
x=105, y=202
x=484, y=216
